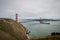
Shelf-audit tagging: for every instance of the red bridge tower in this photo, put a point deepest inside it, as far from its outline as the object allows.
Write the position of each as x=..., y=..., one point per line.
x=16, y=17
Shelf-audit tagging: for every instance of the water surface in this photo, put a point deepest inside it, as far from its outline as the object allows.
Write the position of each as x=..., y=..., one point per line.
x=39, y=30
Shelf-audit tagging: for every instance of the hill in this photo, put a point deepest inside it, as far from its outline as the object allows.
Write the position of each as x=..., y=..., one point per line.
x=12, y=30
x=55, y=37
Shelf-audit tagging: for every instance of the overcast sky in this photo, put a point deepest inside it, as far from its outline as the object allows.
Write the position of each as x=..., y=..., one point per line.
x=30, y=8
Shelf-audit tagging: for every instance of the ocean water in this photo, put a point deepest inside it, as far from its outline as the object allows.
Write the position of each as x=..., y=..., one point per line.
x=39, y=30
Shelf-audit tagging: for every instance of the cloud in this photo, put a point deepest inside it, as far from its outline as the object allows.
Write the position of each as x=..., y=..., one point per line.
x=30, y=8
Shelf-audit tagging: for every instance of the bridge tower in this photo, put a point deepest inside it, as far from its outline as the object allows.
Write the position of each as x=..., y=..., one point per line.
x=16, y=17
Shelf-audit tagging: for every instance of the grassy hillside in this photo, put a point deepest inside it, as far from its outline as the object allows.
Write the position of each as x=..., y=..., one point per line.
x=55, y=37
x=12, y=30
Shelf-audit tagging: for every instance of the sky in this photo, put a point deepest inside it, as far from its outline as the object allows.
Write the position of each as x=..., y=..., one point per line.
x=30, y=9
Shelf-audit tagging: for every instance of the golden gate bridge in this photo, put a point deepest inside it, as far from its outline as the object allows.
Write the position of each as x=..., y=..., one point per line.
x=43, y=21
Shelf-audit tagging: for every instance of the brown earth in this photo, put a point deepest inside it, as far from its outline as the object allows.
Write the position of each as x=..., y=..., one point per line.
x=56, y=37
x=12, y=30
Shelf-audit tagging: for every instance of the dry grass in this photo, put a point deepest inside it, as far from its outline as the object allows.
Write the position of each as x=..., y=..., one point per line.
x=56, y=37
x=12, y=29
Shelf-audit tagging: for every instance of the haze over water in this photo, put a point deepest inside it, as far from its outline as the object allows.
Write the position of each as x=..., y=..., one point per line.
x=39, y=30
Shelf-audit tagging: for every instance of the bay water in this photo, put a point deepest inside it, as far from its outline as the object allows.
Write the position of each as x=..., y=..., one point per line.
x=39, y=30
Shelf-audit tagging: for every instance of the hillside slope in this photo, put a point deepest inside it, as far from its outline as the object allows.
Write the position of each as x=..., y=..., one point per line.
x=12, y=30
x=55, y=37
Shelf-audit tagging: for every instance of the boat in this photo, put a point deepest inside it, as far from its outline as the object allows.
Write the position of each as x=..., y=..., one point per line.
x=44, y=22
